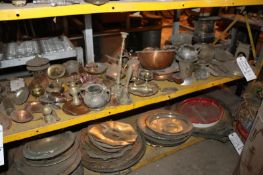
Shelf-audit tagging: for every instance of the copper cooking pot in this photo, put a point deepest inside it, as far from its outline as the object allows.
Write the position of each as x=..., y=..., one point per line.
x=152, y=59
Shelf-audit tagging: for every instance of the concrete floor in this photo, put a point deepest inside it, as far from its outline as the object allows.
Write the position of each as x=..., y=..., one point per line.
x=206, y=158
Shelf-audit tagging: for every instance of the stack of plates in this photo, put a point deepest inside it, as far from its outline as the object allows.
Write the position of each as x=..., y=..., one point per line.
x=110, y=147
x=58, y=154
x=164, y=128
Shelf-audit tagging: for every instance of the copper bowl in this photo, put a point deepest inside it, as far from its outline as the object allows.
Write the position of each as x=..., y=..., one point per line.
x=156, y=59
x=21, y=116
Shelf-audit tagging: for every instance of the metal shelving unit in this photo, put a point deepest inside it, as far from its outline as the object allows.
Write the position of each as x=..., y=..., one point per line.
x=30, y=11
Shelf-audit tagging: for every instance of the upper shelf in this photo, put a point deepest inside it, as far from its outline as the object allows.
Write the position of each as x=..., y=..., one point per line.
x=10, y=12
x=20, y=131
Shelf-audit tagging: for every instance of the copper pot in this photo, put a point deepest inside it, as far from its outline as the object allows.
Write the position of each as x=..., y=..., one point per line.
x=156, y=59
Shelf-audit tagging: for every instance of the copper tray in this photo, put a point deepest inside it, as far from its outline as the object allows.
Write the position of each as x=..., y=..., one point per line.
x=169, y=123
x=55, y=160
x=113, y=133
x=70, y=109
x=21, y=116
x=48, y=147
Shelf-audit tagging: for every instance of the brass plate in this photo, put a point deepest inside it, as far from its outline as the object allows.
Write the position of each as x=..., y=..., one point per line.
x=113, y=133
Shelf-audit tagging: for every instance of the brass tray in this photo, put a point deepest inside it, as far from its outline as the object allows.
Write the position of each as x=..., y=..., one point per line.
x=48, y=147
x=113, y=133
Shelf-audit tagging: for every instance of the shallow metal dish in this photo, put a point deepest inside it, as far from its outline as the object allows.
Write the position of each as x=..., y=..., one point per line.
x=144, y=90
x=21, y=116
x=56, y=71
x=169, y=123
x=48, y=147
x=95, y=68
x=114, y=133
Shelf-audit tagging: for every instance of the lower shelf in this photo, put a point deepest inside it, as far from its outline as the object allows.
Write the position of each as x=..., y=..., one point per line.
x=21, y=131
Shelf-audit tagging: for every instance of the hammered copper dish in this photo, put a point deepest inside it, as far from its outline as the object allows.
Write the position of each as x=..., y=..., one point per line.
x=48, y=147
x=152, y=59
x=113, y=133
x=21, y=116
x=169, y=123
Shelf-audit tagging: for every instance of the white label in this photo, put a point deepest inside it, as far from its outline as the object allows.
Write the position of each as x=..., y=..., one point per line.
x=245, y=68
x=2, y=161
x=17, y=84
x=236, y=141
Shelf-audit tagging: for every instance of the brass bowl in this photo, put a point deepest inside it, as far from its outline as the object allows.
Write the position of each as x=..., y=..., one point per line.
x=56, y=71
x=21, y=116
x=156, y=59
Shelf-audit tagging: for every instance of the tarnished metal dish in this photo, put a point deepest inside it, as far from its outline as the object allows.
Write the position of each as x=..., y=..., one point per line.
x=21, y=116
x=187, y=52
x=223, y=55
x=168, y=123
x=114, y=133
x=156, y=59
x=144, y=90
x=95, y=68
x=48, y=147
x=21, y=95
x=56, y=71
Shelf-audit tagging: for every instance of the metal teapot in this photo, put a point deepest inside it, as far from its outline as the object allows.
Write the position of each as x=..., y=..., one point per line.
x=95, y=96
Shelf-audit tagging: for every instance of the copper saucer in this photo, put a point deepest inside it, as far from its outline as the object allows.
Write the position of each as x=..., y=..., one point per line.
x=70, y=109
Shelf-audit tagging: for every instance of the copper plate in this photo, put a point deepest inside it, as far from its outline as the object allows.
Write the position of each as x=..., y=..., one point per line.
x=114, y=133
x=48, y=147
x=142, y=90
x=169, y=123
x=130, y=158
x=34, y=107
x=70, y=109
x=21, y=116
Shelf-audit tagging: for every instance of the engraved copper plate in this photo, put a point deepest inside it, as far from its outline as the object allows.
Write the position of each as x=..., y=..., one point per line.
x=113, y=133
x=168, y=123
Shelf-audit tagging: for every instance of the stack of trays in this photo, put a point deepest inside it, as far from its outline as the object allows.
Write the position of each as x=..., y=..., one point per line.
x=110, y=147
x=164, y=128
x=56, y=155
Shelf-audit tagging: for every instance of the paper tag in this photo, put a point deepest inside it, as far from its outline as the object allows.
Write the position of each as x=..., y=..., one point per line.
x=17, y=84
x=245, y=68
x=2, y=161
x=236, y=141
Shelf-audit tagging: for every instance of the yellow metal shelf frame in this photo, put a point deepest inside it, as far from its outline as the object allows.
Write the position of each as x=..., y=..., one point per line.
x=9, y=12
x=26, y=130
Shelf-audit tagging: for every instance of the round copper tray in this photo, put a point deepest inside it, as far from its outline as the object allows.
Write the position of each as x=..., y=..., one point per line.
x=113, y=133
x=48, y=147
x=54, y=160
x=169, y=123
x=70, y=109
x=130, y=158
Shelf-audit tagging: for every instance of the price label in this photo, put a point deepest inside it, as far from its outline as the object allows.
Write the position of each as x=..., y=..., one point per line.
x=245, y=68
x=17, y=84
x=2, y=161
x=236, y=141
